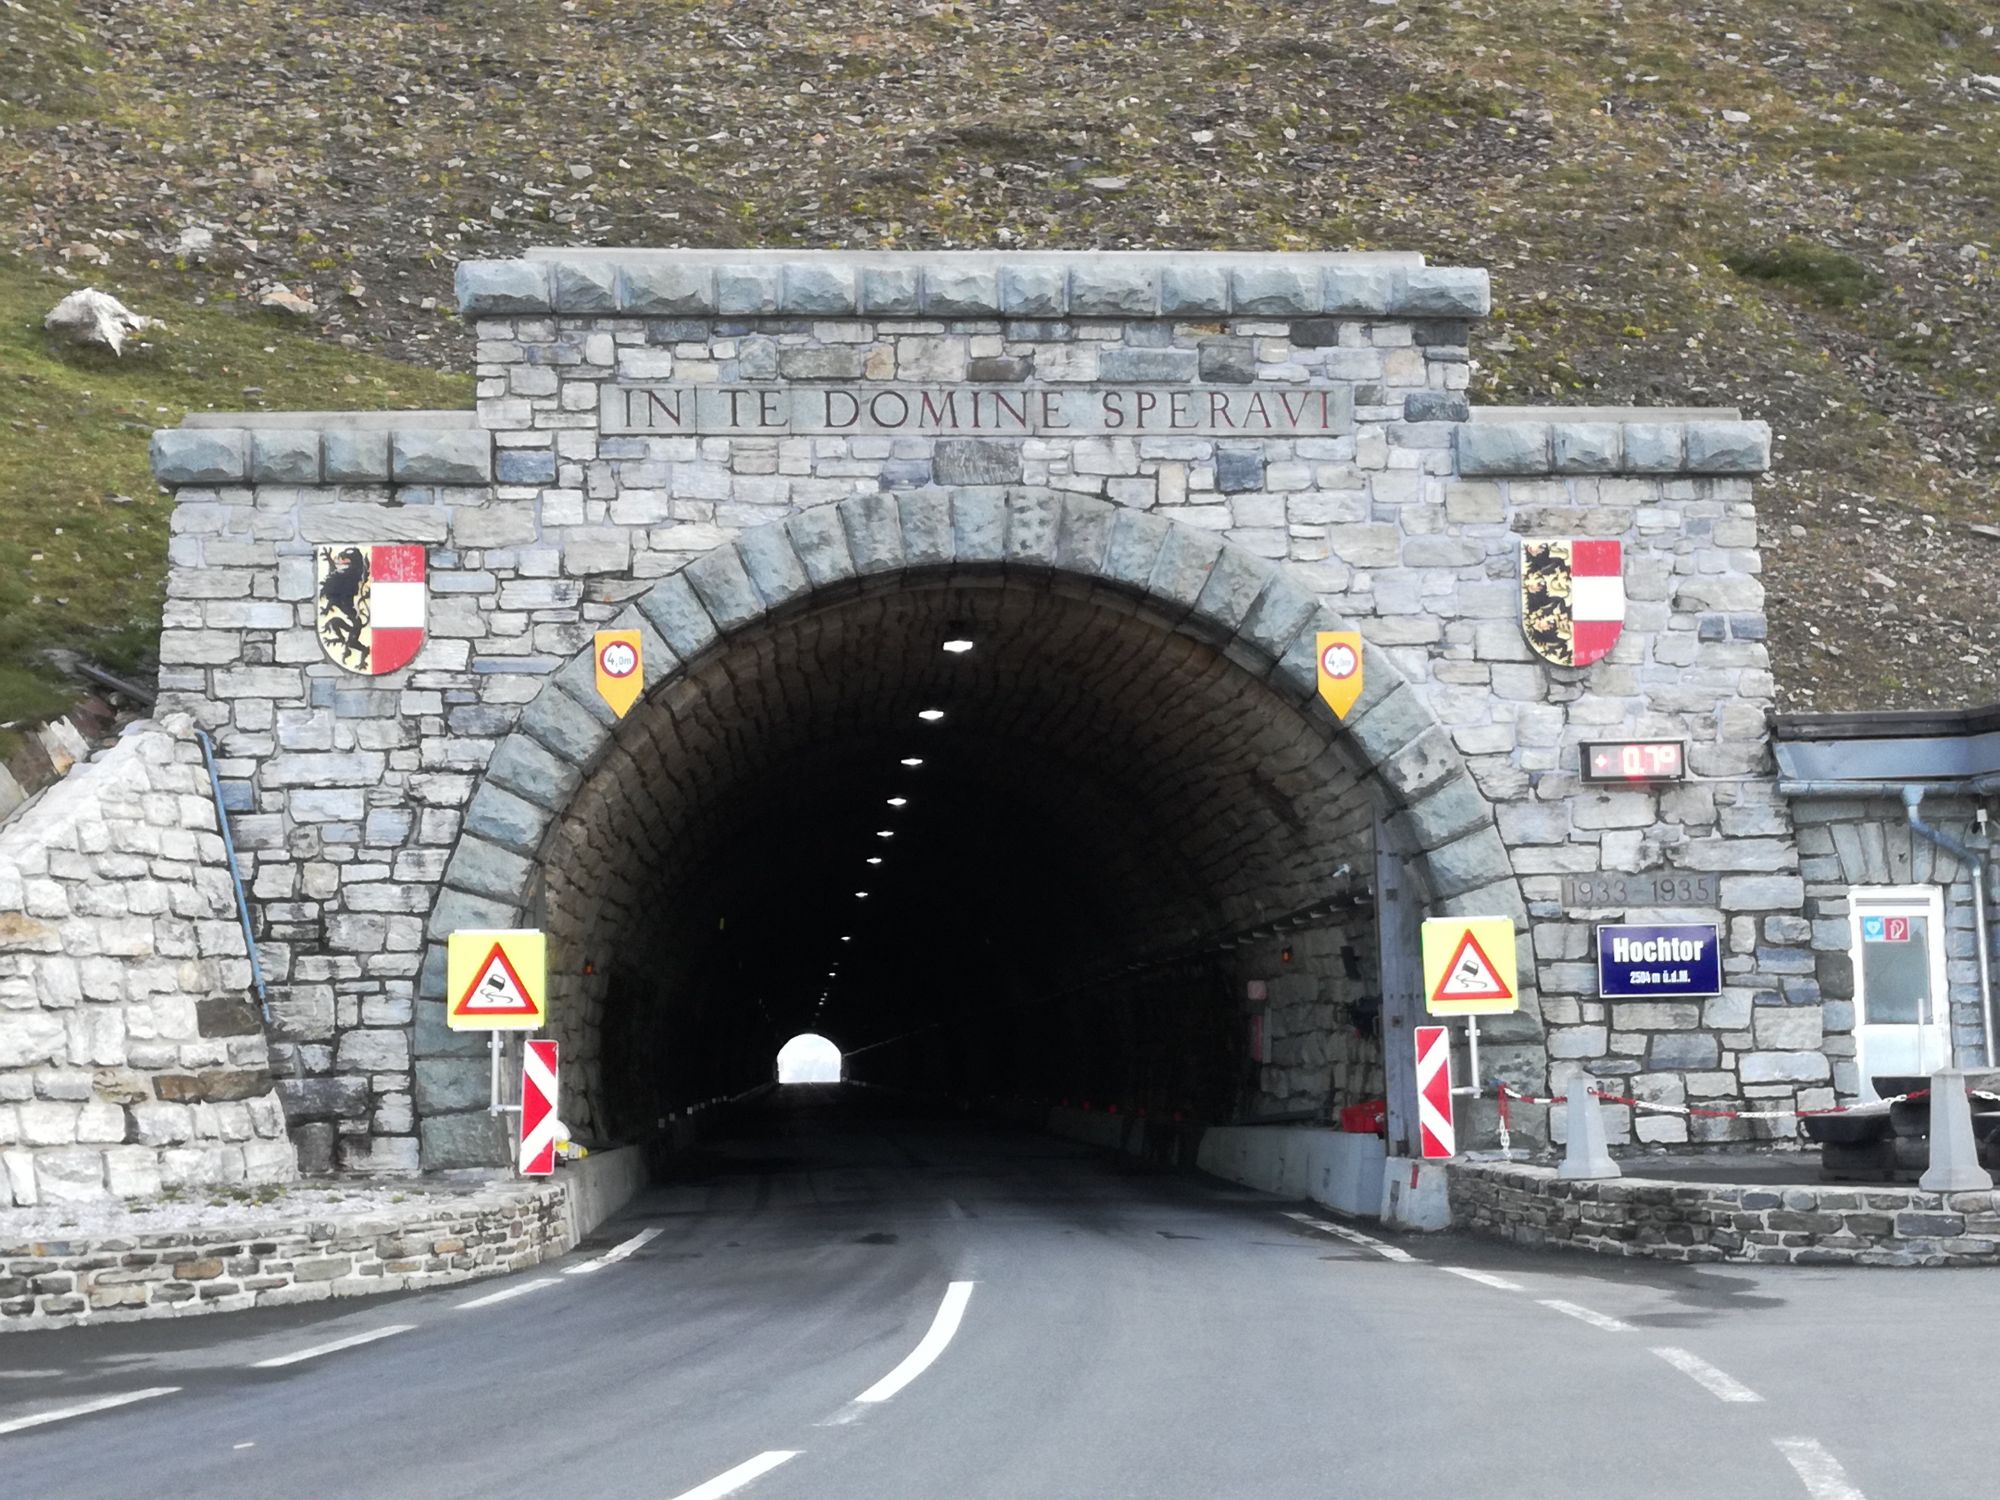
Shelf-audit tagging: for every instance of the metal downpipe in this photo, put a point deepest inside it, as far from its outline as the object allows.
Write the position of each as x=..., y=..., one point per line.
x=235, y=876
x=1913, y=801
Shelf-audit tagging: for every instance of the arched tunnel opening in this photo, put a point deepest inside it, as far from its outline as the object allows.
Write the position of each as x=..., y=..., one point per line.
x=1091, y=857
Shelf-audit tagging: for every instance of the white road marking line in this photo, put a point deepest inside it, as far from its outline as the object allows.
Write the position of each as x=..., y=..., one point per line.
x=350, y=1342
x=504, y=1293
x=1354, y=1237
x=929, y=1347
x=610, y=1257
x=742, y=1474
x=1818, y=1470
x=1588, y=1315
x=1484, y=1278
x=84, y=1409
x=1719, y=1384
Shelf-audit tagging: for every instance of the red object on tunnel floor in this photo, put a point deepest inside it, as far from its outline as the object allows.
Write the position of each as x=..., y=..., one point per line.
x=538, y=1109
x=1369, y=1117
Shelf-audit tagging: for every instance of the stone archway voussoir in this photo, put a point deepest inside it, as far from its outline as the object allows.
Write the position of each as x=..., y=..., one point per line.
x=775, y=568
x=928, y=541
x=1134, y=548
x=874, y=530
x=821, y=543
x=679, y=615
x=1034, y=521
x=724, y=586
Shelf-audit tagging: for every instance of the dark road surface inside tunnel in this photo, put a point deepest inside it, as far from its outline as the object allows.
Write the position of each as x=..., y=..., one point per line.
x=1126, y=1332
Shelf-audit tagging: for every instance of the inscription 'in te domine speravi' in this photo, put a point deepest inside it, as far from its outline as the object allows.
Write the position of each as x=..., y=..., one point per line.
x=972, y=411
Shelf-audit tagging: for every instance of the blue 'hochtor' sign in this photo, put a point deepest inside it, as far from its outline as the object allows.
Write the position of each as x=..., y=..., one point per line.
x=1637, y=963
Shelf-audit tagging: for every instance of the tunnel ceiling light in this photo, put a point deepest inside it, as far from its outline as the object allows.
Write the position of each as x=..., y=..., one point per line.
x=885, y=833
x=913, y=761
x=930, y=715
x=874, y=859
x=845, y=938
x=899, y=801
x=958, y=645
x=860, y=895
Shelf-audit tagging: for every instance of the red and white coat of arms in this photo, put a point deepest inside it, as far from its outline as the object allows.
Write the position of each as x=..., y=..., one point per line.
x=370, y=605
x=1572, y=598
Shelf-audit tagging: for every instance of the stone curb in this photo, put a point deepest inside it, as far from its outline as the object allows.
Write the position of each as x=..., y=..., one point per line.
x=1498, y=449
x=314, y=456
x=970, y=285
x=431, y=1241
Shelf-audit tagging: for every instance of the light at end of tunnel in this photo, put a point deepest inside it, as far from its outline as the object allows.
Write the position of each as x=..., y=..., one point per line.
x=958, y=645
x=860, y=895
x=899, y=801
x=885, y=833
x=913, y=761
x=845, y=938
x=874, y=859
x=930, y=715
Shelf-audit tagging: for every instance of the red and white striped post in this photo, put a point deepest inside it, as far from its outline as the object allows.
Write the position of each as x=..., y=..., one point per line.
x=1434, y=1128
x=538, y=1109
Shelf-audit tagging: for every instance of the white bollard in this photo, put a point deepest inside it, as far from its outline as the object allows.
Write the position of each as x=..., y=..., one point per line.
x=1586, y=1159
x=1954, y=1153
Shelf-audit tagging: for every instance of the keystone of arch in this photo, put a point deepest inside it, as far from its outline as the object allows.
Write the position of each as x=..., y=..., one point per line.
x=1247, y=606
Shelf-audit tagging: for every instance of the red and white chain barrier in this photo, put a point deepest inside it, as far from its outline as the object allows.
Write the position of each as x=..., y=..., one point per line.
x=1507, y=1095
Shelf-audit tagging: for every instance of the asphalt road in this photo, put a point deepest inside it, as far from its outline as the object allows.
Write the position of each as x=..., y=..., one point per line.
x=1040, y=1323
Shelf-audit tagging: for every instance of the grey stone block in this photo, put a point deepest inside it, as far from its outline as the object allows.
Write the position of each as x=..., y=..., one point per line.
x=323, y=1098
x=1031, y=292
x=1188, y=291
x=1280, y=613
x=472, y=1139
x=1391, y=723
x=441, y=456
x=1234, y=582
x=979, y=525
x=1358, y=291
x=501, y=815
x=1503, y=448
x=1442, y=292
x=446, y=1084
x=563, y=725
x=1226, y=361
x=522, y=765
x=834, y=362
x=1146, y=366
x=677, y=612
x=1436, y=406
x=874, y=530
x=1316, y=333
x=355, y=456
x=525, y=466
x=927, y=535
x=665, y=290
x=486, y=869
x=719, y=578
x=1134, y=549
x=1728, y=447
x=1000, y=369
x=747, y=290
x=201, y=455
x=1479, y=858
x=976, y=461
x=501, y=288
x=1034, y=519
x=1654, y=447
x=1113, y=288
x=1679, y=1049
x=960, y=292
x=815, y=289
x=774, y=568
x=1274, y=291
x=284, y=455
x=1587, y=447
x=1239, y=470
x=584, y=286
x=821, y=542
x=757, y=359
x=1084, y=533
x=890, y=291
x=456, y=910
x=1182, y=568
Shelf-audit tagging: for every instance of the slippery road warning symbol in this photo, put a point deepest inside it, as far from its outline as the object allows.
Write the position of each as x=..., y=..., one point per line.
x=1469, y=967
x=496, y=980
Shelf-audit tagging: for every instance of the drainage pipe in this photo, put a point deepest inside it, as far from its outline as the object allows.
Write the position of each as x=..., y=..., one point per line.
x=235, y=876
x=1975, y=869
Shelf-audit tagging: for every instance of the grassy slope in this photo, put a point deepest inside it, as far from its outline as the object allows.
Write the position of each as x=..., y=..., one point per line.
x=1827, y=263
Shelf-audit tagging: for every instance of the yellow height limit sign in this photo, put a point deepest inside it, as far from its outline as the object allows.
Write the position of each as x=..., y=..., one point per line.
x=1469, y=966
x=1339, y=669
x=496, y=980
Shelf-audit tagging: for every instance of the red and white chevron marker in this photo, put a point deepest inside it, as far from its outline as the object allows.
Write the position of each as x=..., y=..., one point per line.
x=1434, y=1091
x=538, y=1109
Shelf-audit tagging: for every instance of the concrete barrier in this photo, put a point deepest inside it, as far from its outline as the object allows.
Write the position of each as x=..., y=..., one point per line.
x=599, y=1185
x=1415, y=1194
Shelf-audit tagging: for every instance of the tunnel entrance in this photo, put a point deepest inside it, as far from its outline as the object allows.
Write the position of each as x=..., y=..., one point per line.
x=1016, y=831
x=809, y=1058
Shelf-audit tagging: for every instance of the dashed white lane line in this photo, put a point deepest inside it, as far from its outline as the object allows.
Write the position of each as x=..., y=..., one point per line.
x=85, y=1408
x=1818, y=1470
x=334, y=1346
x=505, y=1293
x=742, y=1474
x=1353, y=1237
x=1718, y=1383
x=1484, y=1278
x=1588, y=1315
x=929, y=1347
x=612, y=1256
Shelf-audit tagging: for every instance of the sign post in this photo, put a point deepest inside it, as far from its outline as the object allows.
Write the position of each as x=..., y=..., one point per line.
x=1470, y=970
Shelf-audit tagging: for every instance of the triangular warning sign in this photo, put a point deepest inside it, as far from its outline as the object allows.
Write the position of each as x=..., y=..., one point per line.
x=1470, y=975
x=496, y=990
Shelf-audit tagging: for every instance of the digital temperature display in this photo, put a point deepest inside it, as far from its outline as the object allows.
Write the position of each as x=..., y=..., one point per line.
x=1634, y=760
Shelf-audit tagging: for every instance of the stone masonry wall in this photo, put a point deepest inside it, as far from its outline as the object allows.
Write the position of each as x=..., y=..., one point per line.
x=132, y=1056
x=541, y=525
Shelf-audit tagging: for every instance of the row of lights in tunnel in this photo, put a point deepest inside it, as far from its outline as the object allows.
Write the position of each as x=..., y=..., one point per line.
x=956, y=643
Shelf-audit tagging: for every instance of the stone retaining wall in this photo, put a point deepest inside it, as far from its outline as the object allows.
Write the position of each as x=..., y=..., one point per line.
x=53, y=1283
x=1805, y=1224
